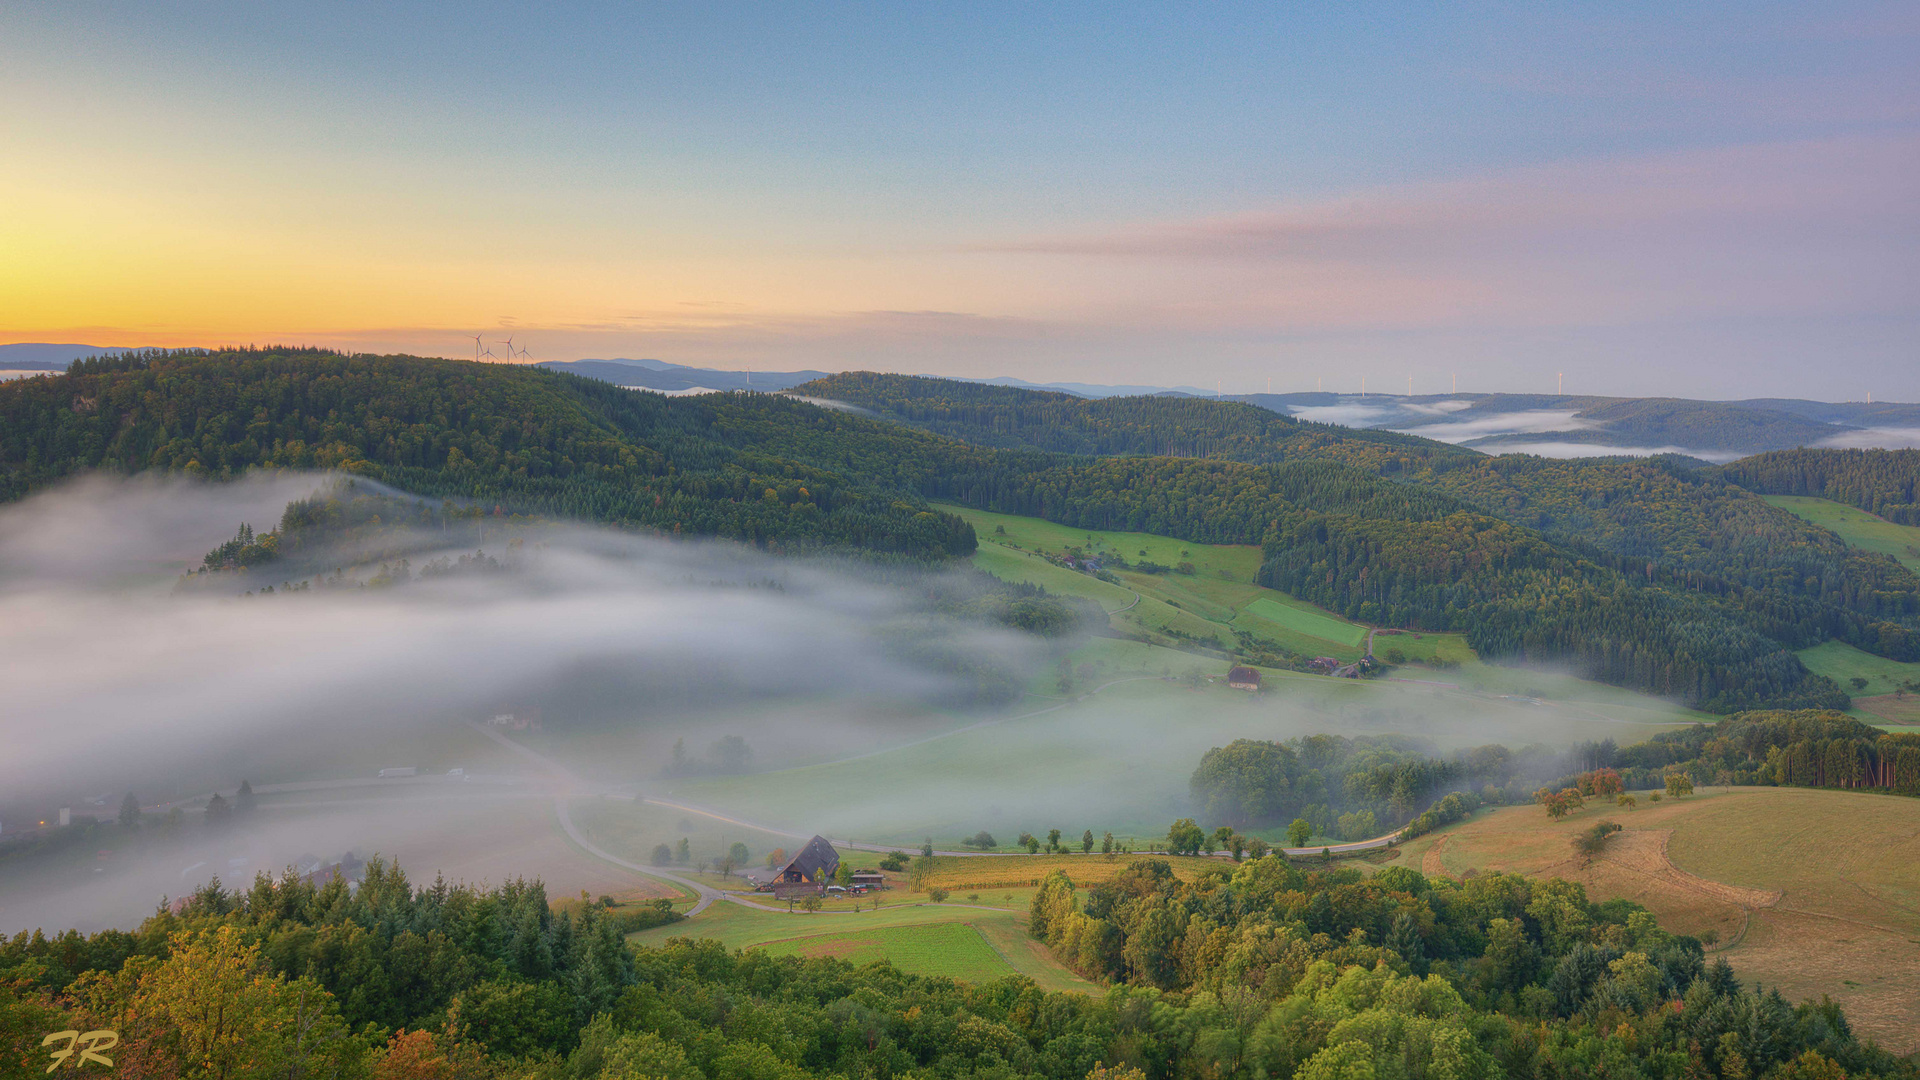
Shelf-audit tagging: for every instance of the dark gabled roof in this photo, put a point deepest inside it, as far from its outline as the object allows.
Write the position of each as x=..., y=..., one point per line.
x=816, y=861
x=1243, y=674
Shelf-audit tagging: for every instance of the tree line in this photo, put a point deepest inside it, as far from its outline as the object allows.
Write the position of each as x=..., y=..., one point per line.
x=1250, y=971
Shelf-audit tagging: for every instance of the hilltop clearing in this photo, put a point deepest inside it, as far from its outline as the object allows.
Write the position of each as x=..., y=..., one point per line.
x=1816, y=892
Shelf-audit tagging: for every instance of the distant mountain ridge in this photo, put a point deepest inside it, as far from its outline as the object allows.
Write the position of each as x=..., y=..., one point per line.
x=49, y=356
x=1547, y=425
x=669, y=377
x=1553, y=425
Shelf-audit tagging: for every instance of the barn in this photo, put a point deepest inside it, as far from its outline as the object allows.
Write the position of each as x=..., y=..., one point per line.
x=1243, y=678
x=808, y=871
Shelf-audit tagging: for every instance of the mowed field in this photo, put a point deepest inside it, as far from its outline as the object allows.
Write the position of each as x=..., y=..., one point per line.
x=1857, y=527
x=1816, y=892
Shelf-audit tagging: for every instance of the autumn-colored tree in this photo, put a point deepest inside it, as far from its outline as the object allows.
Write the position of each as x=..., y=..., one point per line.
x=421, y=1055
x=215, y=1007
x=1678, y=784
x=1601, y=783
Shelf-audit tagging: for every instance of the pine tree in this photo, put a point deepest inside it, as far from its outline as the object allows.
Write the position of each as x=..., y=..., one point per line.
x=129, y=812
x=243, y=801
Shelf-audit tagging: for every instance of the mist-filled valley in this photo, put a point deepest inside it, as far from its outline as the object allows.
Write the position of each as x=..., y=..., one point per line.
x=367, y=632
x=977, y=542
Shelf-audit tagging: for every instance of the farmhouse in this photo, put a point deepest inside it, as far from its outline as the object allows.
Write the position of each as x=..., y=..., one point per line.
x=808, y=871
x=1243, y=678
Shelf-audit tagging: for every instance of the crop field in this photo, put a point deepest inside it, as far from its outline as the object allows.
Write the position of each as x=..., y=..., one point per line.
x=1816, y=892
x=1895, y=712
x=994, y=874
x=1857, y=527
x=1842, y=663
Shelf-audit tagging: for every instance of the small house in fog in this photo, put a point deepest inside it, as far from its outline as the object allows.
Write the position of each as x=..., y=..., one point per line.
x=1243, y=678
x=809, y=870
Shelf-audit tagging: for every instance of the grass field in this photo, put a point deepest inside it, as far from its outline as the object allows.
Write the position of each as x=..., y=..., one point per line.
x=1842, y=663
x=956, y=950
x=1306, y=621
x=1857, y=527
x=1816, y=892
x=906, y=931
x=1218, y=601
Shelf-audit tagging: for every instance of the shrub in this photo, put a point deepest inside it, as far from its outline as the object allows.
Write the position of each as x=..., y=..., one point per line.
x=1594, y=839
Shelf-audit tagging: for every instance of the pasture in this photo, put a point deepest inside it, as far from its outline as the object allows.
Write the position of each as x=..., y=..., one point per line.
x=1816, y=892
x=1304, y=620
x=1217, y=601
x=905, y=930
x=956, y=950
x=1842, y=663
x=1857, y=527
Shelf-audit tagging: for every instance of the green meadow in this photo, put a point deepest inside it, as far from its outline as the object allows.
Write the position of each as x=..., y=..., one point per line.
x=960, y=941
x=1304, y=620
x=1217, y=602
x=1857, y=527
x=1842, y=663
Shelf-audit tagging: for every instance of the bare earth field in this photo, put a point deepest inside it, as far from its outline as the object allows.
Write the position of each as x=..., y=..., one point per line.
x=1816, y=892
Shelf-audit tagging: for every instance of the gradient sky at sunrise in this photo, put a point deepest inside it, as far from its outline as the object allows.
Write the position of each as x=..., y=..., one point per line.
x=1718, y=201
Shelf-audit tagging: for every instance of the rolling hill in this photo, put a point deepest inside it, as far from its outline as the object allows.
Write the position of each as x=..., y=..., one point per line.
x=1335, y=524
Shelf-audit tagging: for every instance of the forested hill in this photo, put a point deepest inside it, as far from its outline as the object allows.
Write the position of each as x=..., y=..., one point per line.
x=791, y=476
x=1169, y=426
x=536, y=440
x=1650, y=518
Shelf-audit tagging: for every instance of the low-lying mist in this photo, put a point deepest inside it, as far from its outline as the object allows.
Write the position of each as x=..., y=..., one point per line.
x=124, y=676
x=855, y=699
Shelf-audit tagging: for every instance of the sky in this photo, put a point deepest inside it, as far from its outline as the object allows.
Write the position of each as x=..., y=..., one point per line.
x=1695, y=200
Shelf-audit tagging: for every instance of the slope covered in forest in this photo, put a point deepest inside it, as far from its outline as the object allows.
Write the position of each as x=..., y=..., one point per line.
x=1652, y=518
x=537, y=440
x=792, y=476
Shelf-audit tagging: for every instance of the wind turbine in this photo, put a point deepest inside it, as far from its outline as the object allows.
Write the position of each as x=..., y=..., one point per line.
x=509, y=344
x=476, y=348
